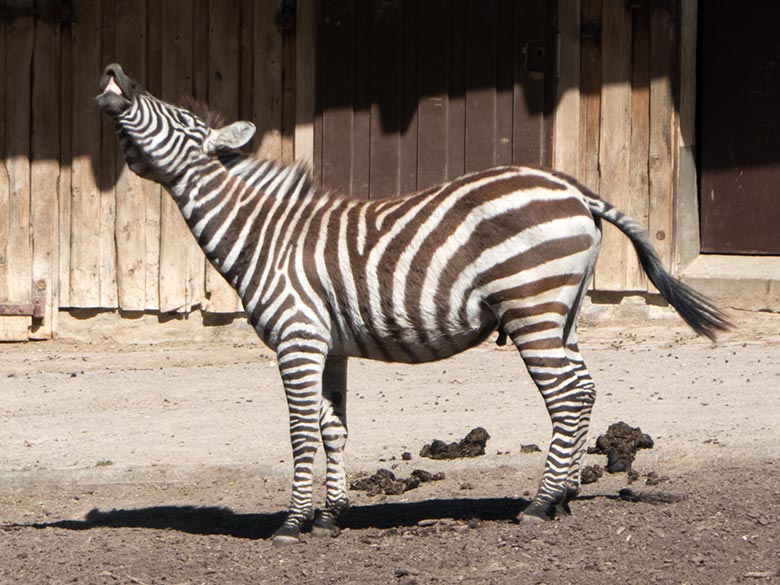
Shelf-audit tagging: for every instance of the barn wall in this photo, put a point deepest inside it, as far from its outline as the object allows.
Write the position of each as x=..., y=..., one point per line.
x=616, y=121
x=79, y=233
x=77, y=229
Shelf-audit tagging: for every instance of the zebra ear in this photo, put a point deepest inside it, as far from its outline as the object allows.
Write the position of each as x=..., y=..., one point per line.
x=231, y=137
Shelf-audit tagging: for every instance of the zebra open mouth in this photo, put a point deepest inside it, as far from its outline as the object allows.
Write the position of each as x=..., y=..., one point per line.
x=117, y=90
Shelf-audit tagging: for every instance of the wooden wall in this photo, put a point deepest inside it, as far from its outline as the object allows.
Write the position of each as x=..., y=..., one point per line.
x=72, y=217
x=77, y=230
x=415, y=93
x=616, y=122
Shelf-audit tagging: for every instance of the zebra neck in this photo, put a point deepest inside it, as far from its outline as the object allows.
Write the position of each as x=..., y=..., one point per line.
x=227, y=202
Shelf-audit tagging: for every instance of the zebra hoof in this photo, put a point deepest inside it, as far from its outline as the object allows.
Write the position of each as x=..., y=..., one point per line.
x=325, y=525
x=528, y=520
x=537, y=513
x=563, y=509
x=287, y=535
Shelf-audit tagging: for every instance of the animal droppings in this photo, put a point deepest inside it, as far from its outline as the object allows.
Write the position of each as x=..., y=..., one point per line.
x=473, y=445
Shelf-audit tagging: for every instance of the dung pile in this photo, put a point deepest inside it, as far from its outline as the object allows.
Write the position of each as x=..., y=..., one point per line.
x=473, y=445
x=620, y=444
x=384, y=481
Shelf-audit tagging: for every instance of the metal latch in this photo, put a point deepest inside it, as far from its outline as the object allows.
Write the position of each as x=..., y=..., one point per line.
x=535, y=52
x=36, y=309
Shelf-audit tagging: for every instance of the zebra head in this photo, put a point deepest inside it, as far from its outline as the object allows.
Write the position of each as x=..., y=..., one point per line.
x=161, y=140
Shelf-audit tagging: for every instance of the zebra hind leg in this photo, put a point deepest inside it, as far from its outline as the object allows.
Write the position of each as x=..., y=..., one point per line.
x=301, y=368
x=333, y=428
x=569, y=399
x=583, y=422
x=568, y=394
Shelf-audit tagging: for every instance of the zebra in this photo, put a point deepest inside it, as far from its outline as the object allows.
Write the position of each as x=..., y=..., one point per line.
x=413, y=279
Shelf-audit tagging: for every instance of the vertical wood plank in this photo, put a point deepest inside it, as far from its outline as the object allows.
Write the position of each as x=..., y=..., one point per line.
x=590, y=95
x=180, y=277
x=288, y=95
x=638, y=191
x=337, y=94
x=201, y=49
x=567, y=113
x=684, y=185
x=481, y=84
x=662, y=124
x=131, y=190
x=614, y=154
x=153, y=194
x=267, y=114
x=528, y=116
x=85, y=202
x=19, y=253
x=433, y=82
x=44, y=178
x=223, y=95
x=305, y=81
x=66, y=161
x=505, y=73
x=386, y=86
x=456, y=100
x=409, y=97
x=247, y=55
x=361, y=106
x=5, y=185
x=107, y=180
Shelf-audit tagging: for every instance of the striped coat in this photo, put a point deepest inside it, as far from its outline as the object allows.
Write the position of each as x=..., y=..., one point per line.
x=410, y=279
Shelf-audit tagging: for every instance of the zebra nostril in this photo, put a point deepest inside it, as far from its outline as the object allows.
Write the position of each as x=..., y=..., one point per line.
x=113, y=69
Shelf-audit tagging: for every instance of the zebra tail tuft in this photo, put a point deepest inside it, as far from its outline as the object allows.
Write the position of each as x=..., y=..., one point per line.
x=695, y=308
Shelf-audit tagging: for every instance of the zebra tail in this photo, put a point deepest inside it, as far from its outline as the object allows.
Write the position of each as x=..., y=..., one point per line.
x=695, y=309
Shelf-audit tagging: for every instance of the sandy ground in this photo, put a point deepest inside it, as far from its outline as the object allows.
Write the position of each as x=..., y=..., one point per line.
x=171, y=464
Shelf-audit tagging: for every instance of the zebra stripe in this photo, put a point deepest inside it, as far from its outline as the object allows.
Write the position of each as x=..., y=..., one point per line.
x=412, y=279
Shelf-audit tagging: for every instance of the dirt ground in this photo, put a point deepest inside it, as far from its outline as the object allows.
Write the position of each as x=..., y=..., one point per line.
x=170, y=464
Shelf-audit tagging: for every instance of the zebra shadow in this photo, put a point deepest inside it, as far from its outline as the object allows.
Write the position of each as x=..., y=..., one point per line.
x=209, y=520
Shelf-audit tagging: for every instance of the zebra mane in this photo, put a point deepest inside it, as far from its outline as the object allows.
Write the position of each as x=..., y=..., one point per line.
x=211, y=118
x=244, y=166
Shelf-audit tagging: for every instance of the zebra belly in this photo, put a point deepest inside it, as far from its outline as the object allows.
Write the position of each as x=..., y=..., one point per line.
x=412, y=346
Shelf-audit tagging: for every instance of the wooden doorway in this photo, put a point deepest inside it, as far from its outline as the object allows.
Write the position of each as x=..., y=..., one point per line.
x=413, y=93
x=739, y=117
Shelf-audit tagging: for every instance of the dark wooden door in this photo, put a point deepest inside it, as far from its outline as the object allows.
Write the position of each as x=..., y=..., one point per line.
x=414, y=92
x=740, y=127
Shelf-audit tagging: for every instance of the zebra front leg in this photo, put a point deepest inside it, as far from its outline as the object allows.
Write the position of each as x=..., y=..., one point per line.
x=301, y=370
x=333, y=428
